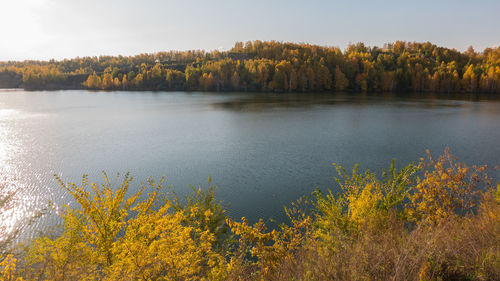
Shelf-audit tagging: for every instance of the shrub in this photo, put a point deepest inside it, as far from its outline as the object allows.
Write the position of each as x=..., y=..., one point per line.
x=437, y=220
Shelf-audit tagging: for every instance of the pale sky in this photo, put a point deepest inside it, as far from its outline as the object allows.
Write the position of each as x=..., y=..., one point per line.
x=44, y=29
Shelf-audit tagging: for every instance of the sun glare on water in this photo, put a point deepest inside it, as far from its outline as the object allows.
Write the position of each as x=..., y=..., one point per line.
x=16, y=208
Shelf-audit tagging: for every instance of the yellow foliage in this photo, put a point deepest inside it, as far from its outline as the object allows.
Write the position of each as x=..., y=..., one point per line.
x=114, y=238
x=270, y=248
x=363, y=206
x=8, y=270
x=374, y=228
x=447, y=188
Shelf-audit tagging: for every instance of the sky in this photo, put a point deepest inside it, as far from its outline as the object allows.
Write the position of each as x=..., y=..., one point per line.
x=46, y=29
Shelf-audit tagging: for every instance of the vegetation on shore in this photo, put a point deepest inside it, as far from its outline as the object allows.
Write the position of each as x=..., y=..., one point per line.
x=272, y=67
x=435, y=220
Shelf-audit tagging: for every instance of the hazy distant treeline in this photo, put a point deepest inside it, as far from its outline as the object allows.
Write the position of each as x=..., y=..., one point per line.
x=271, y=66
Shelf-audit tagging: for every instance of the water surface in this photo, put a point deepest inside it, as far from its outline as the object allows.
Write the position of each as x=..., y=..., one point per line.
x=261, y=150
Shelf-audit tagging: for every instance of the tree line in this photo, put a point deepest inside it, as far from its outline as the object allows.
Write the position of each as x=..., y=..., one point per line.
x=274, y=67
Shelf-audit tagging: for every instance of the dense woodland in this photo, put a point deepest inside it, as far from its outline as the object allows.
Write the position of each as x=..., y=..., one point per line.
x=272, y=67
x=436, y=220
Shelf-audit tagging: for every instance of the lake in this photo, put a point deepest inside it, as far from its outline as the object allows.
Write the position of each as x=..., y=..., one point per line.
x=262, y=151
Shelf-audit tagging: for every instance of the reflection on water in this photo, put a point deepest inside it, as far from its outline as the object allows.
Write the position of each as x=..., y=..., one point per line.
x=12, y=213
x=21, y=204
x=262, y=102
x=262, y=150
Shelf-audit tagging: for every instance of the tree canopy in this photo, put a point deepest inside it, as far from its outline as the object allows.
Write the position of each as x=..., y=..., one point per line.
x=273, y=67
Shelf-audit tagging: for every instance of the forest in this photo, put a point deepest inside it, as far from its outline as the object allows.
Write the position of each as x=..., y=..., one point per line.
x=271, y=66
x=438, y=219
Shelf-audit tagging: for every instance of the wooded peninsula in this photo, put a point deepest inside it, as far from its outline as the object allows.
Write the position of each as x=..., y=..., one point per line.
x=271, y=67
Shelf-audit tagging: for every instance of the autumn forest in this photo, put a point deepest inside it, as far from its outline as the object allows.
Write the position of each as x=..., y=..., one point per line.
x=271, y=67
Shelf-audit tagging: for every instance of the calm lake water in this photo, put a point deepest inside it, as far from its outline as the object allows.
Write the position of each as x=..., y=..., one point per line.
x=263, y=151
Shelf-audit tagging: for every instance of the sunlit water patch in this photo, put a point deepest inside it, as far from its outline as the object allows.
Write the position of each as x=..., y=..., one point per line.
x=20, y=205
